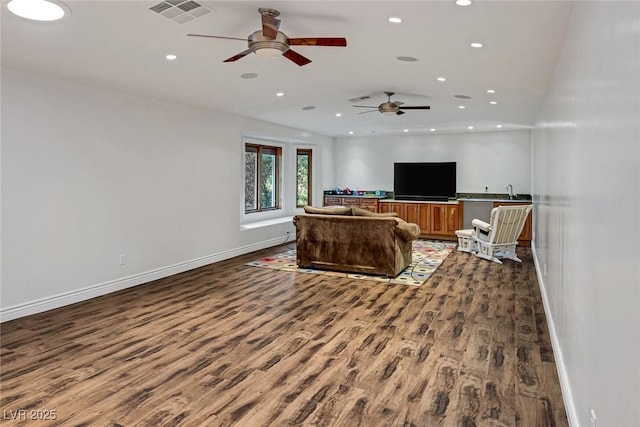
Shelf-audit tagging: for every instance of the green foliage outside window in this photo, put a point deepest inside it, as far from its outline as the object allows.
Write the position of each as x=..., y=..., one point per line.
x=303, y=175
x=262, y=177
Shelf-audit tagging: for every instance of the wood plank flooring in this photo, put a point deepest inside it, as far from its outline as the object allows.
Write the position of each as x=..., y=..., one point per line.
x=231, y=345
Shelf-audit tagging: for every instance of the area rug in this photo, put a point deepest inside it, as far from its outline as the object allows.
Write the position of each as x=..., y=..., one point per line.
x=427, y=257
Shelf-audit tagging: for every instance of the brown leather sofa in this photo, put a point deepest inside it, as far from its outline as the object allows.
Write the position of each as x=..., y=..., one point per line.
x=353, y=240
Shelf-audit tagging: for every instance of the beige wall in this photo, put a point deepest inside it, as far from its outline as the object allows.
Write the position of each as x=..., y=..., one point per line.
x=90, y=173
x=586, y=163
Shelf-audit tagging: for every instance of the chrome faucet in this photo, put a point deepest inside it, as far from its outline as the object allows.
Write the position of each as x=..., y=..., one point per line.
x=510, y=190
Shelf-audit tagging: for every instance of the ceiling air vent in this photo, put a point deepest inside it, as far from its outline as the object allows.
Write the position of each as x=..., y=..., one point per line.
x=360, y=98
x=180, y=11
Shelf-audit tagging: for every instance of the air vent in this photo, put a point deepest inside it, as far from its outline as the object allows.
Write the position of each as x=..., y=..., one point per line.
x=180, y=11
x=360, y=98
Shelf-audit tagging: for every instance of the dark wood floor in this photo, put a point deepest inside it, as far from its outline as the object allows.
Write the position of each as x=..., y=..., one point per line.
x=229, y=345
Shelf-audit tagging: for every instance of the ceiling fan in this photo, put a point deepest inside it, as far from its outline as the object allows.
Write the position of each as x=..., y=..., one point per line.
x=392, y=108
x=269, y=41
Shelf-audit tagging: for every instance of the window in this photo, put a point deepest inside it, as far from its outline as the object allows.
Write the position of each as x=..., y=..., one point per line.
x=303, y=177
x=262, y=165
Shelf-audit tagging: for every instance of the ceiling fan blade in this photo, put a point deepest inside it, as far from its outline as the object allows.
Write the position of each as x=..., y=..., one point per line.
x=319, y=41
x=238, y=56
x=216, y=37
x=370, y=111
x=296, y=57
x=416, y=107
x=400, y=112
x=364, y=106
x=270, y=26
x=398, y=103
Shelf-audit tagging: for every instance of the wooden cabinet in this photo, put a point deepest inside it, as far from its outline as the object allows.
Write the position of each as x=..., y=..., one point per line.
x=419, y=213
x=437, y=220
x=332, y=201
x=527, y=232
x=367, y=203
x=445, y=219
x=399, y=208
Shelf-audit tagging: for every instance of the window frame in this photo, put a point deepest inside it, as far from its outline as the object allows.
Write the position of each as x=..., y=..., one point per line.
x=259, y=149
x=309, y=153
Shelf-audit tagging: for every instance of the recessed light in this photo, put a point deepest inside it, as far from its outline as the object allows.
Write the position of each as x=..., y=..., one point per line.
x=462, y=107
x=406, y=58
x=338, y=114
x=492, y=102
x=498, y=126
x=249, y=75
x=395, y=20
x=39, y=10
x=280, y=94
x=350, y=132
x=469, y=127
x=309, y=107
x=406, y=130
x=441, y=79
x=432, y=129
x=463, y=2
x=491, y=91
x=171, y=57
x=476, y=44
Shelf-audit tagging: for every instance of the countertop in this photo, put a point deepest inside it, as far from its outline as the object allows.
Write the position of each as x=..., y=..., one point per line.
x=356, y=196
x=462, y=197
x=487, y=199
x=493, y=197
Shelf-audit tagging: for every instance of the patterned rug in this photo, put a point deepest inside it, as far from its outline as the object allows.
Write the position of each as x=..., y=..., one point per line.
x=427, y=257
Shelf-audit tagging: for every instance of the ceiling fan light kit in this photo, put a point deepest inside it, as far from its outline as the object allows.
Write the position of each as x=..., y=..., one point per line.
x=271, y=42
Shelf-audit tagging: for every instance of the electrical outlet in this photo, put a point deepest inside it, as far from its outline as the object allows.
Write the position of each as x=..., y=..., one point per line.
x=544, y=269
x=594, y=419
x=123, y=259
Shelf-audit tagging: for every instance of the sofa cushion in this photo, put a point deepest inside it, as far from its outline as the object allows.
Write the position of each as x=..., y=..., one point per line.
x=356, y=211
x=328, y=210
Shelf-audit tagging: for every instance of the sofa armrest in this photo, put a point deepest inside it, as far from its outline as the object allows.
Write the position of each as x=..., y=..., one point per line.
x=408, y=231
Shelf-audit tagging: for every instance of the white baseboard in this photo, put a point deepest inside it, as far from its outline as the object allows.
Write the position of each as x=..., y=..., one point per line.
x=72, y=297
x=565, y=385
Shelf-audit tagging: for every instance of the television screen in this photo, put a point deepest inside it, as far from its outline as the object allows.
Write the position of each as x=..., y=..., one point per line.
x=424, y=181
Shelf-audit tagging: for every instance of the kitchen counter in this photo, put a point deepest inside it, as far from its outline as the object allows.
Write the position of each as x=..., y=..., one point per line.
x=493, y=197
x=450, y=201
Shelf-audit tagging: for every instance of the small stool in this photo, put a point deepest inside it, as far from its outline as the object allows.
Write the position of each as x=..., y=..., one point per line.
x=466, y=242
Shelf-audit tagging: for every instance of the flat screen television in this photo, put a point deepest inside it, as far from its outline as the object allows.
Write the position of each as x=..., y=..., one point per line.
x=424, y=181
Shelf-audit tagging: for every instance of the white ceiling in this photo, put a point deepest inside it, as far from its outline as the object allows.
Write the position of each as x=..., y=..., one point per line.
x=122, y=44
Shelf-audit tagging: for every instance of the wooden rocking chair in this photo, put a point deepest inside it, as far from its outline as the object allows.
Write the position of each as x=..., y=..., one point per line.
x=499, y=237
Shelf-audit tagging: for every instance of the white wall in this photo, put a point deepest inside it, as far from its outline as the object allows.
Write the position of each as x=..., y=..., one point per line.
x=492, y=159
x=586, y=163
x=89, y=173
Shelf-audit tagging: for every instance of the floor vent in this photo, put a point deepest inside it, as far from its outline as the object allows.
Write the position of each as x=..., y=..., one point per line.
x=180, y=11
